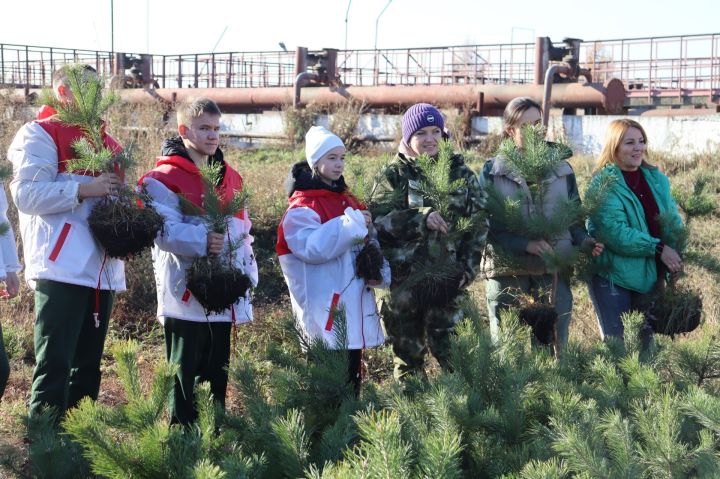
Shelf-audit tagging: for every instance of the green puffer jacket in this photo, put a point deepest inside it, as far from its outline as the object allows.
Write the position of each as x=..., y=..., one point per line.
x=407, y=243
x=629, y=256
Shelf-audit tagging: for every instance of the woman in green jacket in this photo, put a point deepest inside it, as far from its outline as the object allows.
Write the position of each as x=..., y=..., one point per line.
x=627, y=222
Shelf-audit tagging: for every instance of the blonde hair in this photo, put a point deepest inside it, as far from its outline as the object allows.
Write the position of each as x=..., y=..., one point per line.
x=194, y=108
x=613, y=138
x=515, y=109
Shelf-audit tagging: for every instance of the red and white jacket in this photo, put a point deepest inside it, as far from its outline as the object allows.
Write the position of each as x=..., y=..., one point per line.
x=318, y=239
x=184, y=237
x=57, y=241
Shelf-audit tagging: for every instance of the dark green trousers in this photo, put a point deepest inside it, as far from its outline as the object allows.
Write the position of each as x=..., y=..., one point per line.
x=68, y=346
x=202, y=352
x=4, y=365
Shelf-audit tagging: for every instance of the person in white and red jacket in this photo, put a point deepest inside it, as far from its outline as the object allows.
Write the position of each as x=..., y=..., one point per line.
x=198, y=342
x=73, y=279
x=319, y=238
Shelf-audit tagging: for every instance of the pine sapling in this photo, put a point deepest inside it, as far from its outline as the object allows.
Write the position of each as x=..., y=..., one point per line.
x=535, y=162
x=369, y=260
x=215, y=281
x=676, y=308
x=125, y=223
x=438, y=280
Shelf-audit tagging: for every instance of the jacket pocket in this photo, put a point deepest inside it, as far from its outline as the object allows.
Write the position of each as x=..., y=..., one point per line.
x=71, y=248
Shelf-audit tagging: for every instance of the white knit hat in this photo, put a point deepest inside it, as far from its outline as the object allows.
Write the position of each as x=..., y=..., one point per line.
x=318, y=141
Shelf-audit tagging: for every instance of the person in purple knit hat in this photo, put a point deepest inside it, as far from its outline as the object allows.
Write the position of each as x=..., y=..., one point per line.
x=414, y=238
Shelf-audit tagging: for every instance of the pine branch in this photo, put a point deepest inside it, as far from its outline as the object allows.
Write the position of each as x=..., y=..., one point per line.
x=701, y=202
x=207, y=470
x=382, y=453
x=293, y=443
x=620, y=443
x=238, y=465
x=704, y=408
x=436, y=184
x=659, y=426
x=537, y=158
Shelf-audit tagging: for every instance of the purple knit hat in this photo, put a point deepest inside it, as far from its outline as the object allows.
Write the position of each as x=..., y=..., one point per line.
x=419, y=116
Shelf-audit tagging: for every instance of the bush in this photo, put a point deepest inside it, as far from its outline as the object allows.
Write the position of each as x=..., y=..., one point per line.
x=297, y=121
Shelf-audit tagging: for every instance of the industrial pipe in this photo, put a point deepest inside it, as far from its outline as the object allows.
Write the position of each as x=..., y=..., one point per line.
x=610, y=97
x=301, y=80
x=563, y=68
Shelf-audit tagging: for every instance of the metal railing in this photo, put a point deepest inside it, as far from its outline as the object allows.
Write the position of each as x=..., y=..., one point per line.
x=648, y=66
x=25, y=66
x=225, y=70
x=658, y=65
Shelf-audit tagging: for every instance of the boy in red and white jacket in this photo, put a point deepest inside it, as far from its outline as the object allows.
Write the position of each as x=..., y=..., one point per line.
x=69, y=271
x=319, y=238
x=198, y=343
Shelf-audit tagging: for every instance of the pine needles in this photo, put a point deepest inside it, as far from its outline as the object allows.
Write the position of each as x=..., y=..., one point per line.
x=214, y=280
x=124, y=224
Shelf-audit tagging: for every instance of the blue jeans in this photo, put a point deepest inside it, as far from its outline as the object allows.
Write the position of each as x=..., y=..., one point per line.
x=611, y=302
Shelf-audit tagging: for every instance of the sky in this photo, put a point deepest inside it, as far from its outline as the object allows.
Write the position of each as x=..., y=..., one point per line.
x=201, y=26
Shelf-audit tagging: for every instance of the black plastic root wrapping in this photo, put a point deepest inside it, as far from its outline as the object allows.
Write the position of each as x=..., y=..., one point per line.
x=216, y=283
x=123, y=228
x=369, y=263
x=674, y=311
x=438, y=292
x=541, y=318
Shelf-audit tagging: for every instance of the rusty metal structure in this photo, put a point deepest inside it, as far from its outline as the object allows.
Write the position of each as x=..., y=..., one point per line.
x=601, y=76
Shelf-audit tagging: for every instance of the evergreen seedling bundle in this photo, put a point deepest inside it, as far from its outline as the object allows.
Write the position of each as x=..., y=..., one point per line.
x=369, y=260
x=436, y=281
x=214, y=279
x=124, y=224
x=536, y=162
x=675, y=308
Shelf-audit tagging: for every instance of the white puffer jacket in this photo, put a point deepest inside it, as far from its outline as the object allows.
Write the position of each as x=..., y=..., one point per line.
x=57, y=241
x=317, y=256
x=182, y=240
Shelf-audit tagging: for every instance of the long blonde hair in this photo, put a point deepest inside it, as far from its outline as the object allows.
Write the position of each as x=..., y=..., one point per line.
x=613, y=138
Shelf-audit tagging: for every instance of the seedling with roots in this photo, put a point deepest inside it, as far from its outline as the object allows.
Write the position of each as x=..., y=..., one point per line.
x=438, y=278
x=675, y=308
x=125, y=223
x=214, y=280
x=535, y=162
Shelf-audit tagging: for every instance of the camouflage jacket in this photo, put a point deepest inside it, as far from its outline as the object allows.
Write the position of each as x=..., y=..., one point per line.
x=409, y=246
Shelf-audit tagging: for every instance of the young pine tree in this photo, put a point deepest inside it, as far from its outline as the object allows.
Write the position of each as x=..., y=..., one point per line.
x=125, y=223
x=536, y=162
x=215, y=280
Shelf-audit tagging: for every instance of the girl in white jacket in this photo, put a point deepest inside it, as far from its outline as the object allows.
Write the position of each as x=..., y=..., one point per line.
x=319, y=238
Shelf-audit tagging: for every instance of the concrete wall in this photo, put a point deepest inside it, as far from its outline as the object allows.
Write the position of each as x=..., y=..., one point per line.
x=678, y=134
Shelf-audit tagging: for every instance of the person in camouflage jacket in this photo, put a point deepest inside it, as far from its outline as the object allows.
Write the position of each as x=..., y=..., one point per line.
x=432, y=259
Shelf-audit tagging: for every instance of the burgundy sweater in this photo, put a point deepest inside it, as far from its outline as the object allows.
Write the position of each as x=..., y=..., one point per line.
x=638, y=185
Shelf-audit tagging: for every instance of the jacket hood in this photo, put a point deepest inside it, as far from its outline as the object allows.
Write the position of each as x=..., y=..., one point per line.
x=301, y=179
